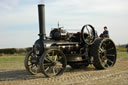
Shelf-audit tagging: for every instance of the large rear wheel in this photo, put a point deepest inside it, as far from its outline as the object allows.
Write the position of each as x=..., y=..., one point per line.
x=53, y=63
x=104, y=53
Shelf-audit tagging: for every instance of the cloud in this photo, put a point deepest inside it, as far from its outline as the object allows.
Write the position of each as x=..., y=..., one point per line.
x=73, y=14
x=21, y=16
x=17, y=39
x=91, y=5
x=85, y=9
x=63, y=10
x=24, y=16
x=8, y=4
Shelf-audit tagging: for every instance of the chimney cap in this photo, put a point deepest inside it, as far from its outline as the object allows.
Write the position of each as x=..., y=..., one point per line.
x=41, y=4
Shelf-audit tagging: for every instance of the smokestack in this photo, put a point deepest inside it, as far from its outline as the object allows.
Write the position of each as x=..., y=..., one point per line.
x=41, y=12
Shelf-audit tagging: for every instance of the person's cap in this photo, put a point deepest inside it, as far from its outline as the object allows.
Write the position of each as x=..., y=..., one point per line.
x=105, y=26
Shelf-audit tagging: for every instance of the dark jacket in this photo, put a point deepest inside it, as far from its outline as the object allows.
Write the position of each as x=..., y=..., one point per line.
x=106, y=33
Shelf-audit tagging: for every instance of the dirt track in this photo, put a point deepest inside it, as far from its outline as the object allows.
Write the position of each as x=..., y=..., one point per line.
x=118, y=75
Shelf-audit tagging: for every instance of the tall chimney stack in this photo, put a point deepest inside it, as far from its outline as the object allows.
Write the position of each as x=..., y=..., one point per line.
x=41, y=12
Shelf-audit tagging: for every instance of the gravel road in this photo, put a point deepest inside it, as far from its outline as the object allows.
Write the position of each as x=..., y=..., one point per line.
x=117, y=75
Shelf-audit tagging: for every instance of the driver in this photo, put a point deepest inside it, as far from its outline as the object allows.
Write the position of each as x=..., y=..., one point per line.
x=105, y=33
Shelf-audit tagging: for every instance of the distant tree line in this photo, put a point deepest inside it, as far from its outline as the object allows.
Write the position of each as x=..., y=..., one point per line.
x=14, y=50
x=122, y=48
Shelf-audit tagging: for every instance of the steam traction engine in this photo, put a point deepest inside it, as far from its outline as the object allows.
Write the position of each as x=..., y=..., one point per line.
x=50, y=55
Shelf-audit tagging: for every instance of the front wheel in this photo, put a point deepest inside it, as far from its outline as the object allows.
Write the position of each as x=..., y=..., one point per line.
x=53, y=63
x=31, y=63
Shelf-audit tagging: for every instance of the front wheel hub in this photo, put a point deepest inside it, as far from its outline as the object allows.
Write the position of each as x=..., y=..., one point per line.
x=34, y=60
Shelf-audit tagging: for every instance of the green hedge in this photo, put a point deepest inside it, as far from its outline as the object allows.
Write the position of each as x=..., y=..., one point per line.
x=121, y=49
x=14, y=50
x=24, y=50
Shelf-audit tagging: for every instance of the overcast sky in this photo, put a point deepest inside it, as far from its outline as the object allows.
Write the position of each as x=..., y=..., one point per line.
x=19, y=19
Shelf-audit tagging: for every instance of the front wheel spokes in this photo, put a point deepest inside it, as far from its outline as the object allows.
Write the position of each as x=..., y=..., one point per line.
x=53, y=68
x=55, y=58
x=50, y=70
x=34, y=68
x=48, y=60
x=47, y=68
x=53, y=63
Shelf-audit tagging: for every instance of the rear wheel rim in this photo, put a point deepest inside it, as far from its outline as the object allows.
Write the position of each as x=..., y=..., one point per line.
x=107, y=53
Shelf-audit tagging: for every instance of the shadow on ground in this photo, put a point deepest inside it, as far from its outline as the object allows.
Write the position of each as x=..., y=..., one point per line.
x=17, y=75
x=10, y=75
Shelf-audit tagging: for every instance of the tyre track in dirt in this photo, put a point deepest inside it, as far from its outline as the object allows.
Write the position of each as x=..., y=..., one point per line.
x=117, y=75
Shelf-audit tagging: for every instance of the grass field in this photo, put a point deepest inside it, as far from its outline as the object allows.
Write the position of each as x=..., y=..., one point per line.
x=12, y=72
x=122, y=55
x=12, y=61
x=17, y=60
x=121, y=52
x=12, y=58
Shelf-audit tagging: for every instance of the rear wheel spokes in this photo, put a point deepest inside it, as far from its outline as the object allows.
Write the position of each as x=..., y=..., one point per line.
x=108, y=43
x=110, y=55
x=107, y=55
x=110, y=49
x=101, y=50
x=105, y=62
x=109, y=63
x=103, y=46
x=106, y=65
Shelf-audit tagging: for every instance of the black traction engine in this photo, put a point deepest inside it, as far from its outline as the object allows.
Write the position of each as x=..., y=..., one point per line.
x=51, y=55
